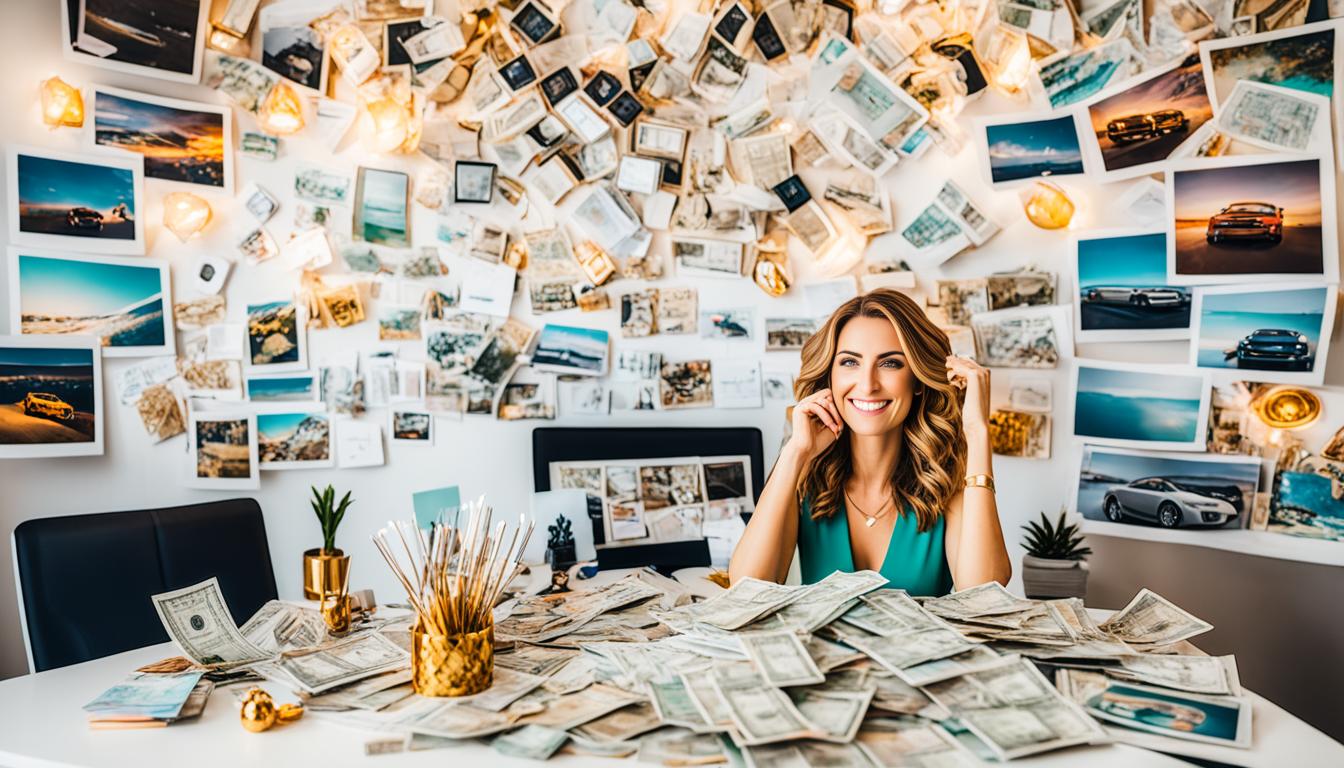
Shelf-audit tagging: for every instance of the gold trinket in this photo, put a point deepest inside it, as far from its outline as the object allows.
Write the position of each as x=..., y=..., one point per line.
x=258, y=711
x=1287, y=407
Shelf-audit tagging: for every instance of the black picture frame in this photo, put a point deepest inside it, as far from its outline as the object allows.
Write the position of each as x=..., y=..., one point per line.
x=602, y=87
x=792, y=193
x=394, y=34
x=558, y=85
x=846, y=9
x=537, y=133
x=534, y=23
x=672, y=175
x=518, y=73
x=625, y=108
x=730, y=25
x=473, y=167
x=641, y=73
x=767, y=38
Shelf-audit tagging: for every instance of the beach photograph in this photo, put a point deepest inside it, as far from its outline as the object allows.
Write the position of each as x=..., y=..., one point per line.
x=1281, y=334
x=381, y=207
x=87, y=202
x=398, y=323
x=49, y=396
x=1258, y=218
x=121, y=301
x=1123, y=293
x=787, y=334
x=159, y=38
x=1145, y=122
x=275, y=335
x=1153, y=406
x=180, y=140
x=223, y=450
x=412, y=426
x=294, y=440
x=299, y=387
x=1167, y=490
x=1032, y=148
x=1302, y=58
x=572, y=350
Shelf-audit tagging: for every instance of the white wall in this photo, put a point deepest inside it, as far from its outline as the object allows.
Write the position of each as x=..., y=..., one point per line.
x=481, y=455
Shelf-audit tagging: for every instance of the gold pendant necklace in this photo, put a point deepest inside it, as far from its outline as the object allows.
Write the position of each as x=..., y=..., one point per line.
x=868, y=520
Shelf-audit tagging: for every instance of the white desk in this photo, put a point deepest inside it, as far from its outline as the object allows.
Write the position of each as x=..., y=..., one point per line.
x=42, y=726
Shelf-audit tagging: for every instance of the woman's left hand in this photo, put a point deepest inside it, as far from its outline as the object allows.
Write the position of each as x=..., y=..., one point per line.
x=968, y=375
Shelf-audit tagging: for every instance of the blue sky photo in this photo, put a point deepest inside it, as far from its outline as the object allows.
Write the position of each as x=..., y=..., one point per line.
x=59, y=287
x=1131, y=405
x=49, y=183
x=1036, y=148
x=1130, y=260
x=1226, y=318
x=278, y=426
x=1102, y=469
x=569, y=346
x=45, y=356
x=297, y=387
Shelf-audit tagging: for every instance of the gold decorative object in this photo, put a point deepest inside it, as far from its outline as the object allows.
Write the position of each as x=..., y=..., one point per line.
x=288, y=713
x=1047, y=206
x=383, y=125
x=320, y=570
x=62, y=104
x=185, y=214
x=1287, y=407
x=282, y=112
x=335, y=604
x=770, y=274
x=597, y=264
x=452, y=665
x=258, y=711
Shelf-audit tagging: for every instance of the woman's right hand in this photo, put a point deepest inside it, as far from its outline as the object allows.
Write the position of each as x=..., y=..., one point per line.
x=816, y=425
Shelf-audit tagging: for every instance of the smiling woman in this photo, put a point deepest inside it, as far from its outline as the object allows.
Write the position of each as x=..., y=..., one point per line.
x=886, y=470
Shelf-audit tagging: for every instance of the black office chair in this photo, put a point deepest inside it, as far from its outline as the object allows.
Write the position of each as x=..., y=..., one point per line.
x=85, y=581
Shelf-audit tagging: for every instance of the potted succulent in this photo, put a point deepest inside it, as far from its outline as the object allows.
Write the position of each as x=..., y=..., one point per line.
x=1055, y=564
x=326, y=568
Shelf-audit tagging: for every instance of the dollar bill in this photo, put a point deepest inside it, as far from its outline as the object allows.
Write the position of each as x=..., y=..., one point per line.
x=675, y=706
x=681, y=748
x=978, y=657
x=828, y=655
x=278, y=626
x=897, y=652
x=199, y=623
x=1215, y=675
x=575, y=709
x=622, y=725
x=336, y=665
x=763, y=714
x=781, y=658
x=837, y=714
x=901, y=742
x=1152, y=619
x=699, y=684
x=746, y=601
x=826, y=599
x=146, y=695
x=533, y=742
x=987, y=599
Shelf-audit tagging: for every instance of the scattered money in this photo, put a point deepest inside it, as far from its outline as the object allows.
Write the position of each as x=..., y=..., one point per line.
x=199, y=623
x=534, y=742
x=1153, y=620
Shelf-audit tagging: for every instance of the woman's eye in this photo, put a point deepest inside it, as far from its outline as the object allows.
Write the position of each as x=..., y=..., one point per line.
x=893, y=364
x=849, y=361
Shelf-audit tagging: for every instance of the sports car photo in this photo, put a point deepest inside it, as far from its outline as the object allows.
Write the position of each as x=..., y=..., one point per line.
x=1173, y=502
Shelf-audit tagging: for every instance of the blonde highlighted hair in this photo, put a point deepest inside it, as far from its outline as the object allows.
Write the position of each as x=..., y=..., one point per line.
x=933, y=454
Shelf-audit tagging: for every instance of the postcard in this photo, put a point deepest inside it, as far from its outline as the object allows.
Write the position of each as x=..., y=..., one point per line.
x=245, y=82
x=53, y=387
x=358, y=444
x=1277, y=333
x=634, y=396
x=1223, y=720
x=1014, y=151
x=962, y=299
x=500, y=358
x=1122, y=292
x=290, y=437
x=1251, y=219
x=454, y=343
x=277, y=338
x=638, y=313
x=398, y=322
x=1276, y=118
x=571, y=350
x=222, y=450
x=737, y=323
x=777, y=385
x=636, y=365
x=787, y=334
x=382, y=207
x=124, y=302
x=164, y=39
x=411, y=427
x=1301, y=57
x=707, y=258
x=486, y=288
x=1161, y=407
x=686, y=384
x=1022, y=337
x=81, y=201
x=313, y=183
x=737, y=383
x=1019, y=433
x=290, y=47
x=181, y=141
x=527, y=397
x=282, y=387
x=1075, y=77
x=1169, y=490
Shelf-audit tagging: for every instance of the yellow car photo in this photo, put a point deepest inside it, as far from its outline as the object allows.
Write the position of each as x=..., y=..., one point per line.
x=43, y=404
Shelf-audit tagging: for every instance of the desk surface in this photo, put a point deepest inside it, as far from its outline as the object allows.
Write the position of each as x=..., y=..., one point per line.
x=42, y=726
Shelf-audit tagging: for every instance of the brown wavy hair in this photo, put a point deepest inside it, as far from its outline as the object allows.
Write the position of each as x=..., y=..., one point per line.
x=933, y=455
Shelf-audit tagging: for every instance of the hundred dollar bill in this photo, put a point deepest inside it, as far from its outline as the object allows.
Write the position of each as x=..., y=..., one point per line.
x=897, y=652
x=1197, y=674
x=902, y=742
x=1153, y=620
x=987, y=599
x=675, y=705
x=337, y=665
x=534, y=742
x=705, y=696
x=826, y=599
x=837, y=714
x=781, y=658
x=764, y=714
x=575, y=709
x=622, y=725
x=744, y=602
x=199, y=623
x=828, y=655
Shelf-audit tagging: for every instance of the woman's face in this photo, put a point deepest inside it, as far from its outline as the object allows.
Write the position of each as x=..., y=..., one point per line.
x=870, y=379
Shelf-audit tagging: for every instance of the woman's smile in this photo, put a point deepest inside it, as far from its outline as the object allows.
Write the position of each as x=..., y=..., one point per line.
x=869, y=407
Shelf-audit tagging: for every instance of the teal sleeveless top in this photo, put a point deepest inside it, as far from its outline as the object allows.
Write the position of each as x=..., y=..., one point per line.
x=915, y=562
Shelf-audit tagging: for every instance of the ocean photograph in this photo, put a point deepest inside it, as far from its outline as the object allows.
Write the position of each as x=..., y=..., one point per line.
x=47, y=395
x=121, y=303
x=1110, y=473
x=1137, y=405
x=572, y=350
x=381, y=207
x=178, y=143
x=1122, y=285
x=74, y=199
x=297, y=388
x=1261, y=330
x=1304, y=61
x=1033, y=148
x=289, y=438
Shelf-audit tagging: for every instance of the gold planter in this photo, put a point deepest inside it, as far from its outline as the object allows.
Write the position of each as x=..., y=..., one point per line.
x=452, y=665
x=324, y=573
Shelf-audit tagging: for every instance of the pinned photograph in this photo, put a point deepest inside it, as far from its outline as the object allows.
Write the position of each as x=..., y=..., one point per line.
x=181, y=141
x=209, y=272
x=382, y=207
x=1144, y=121
x=473, y=182
x=276, y=338
x=455, y=343
x=294, y=439
x=283, y=388
x=1019, y=433
x=1221, y=720
x=1028, y=287
x=342, y=304
x=1167, y=490
x=1022, y=337
x=686, y=384
x=124, y=302
x=222, y=450
x=1082, y=75
x=51, y=395
x=197, y=313
x=961, y=299
x=737, y=383
x=85, y=202
x=411, y=427
x=787, y=334
x=291, y=48
x=1302, y=57
x=677, y=310
x=1277, y=334
x=736, y=323
x=670, y=485
x=1016, y=150
x=638, y=311
x=260, y=203
x=499, y=359
x=154, y=38
x=571, y=350
x=1140, y=406
x=316, y=185
x=707, y=258
x=558, y=85
x=626, y=520
x=1122, y=291
x=1250, y=219
x=534, y=21
x=398, y=322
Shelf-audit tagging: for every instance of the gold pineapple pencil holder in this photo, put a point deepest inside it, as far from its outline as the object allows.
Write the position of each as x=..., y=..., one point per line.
x=452, y=665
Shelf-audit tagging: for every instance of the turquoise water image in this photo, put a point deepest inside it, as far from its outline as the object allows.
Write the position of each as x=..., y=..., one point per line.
x=382, y=209
x=1172, y=712
x=1134, y=418
x=1224, y=321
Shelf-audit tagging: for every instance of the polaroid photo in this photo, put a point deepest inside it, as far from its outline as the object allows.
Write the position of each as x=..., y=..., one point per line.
x=676, y=311
x=277, y=339
x=199, y=152
x=260, y=203
x=584, y=121
x=792, y=193
x=1276, y=333
x=625, y=108
x=165, y=40
x=259, y=146
x=606, y=218
x=197, y=313
x=843, y=79
x=548, y=132
x=686, y=384
x=1246, y=219
x=125, y=302
x=395, y=34
x=583, y=396
x=1116, y=485
x=473, y=182
x=602, y=87
x=553, y=178
x=639, y=313
x=1276, y=118
x=1301, y=57
x=382, y=207
x=315, y=184
x=245, y=82
x=411, y=427
x=301, y=387
x=534, y=21
x=292, y=48
x=659, y=139
x=733, y=24
x=1082, y=75
x=54, y=386
x=1015, y=152
x=737, y=323
x=559, y=85
x=1137, y=124
x=294, y=437
x=1159, y=407
x=788, y=334
x=962, y=299
x=358, y=444
x=77, y=201
x=518, y=73
x=222, y=450
x=844, y=140
x=572, y=350
x=503, y=352
x=398, y=322
x=640, y=175
x=527, y=397
x=1022, y=337
x=258, y=246
x=766, y=37
x=209, y=271
x=1122, y=291
x=707, y=258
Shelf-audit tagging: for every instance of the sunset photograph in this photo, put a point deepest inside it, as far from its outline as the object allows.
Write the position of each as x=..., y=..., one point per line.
x=180, y=141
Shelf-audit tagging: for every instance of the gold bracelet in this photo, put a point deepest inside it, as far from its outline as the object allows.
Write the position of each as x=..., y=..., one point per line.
x=980, y=481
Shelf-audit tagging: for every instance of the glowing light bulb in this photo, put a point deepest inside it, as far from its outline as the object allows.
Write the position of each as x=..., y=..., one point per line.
x=384, y=125
x=1048, y=207
x=282, y=112
x=62, y=104
x=185, y=214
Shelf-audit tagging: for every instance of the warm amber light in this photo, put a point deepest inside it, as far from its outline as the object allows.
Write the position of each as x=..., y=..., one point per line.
x=383, y=125
x=185, y=214
x=1048, y=207
x=1288, y=407
x=62, y=104
x=282, y=112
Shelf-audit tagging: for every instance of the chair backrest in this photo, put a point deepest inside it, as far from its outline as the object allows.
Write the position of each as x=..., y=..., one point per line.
x=85, y=581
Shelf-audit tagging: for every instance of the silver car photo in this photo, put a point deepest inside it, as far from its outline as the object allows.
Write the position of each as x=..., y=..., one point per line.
x=1174, y=501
